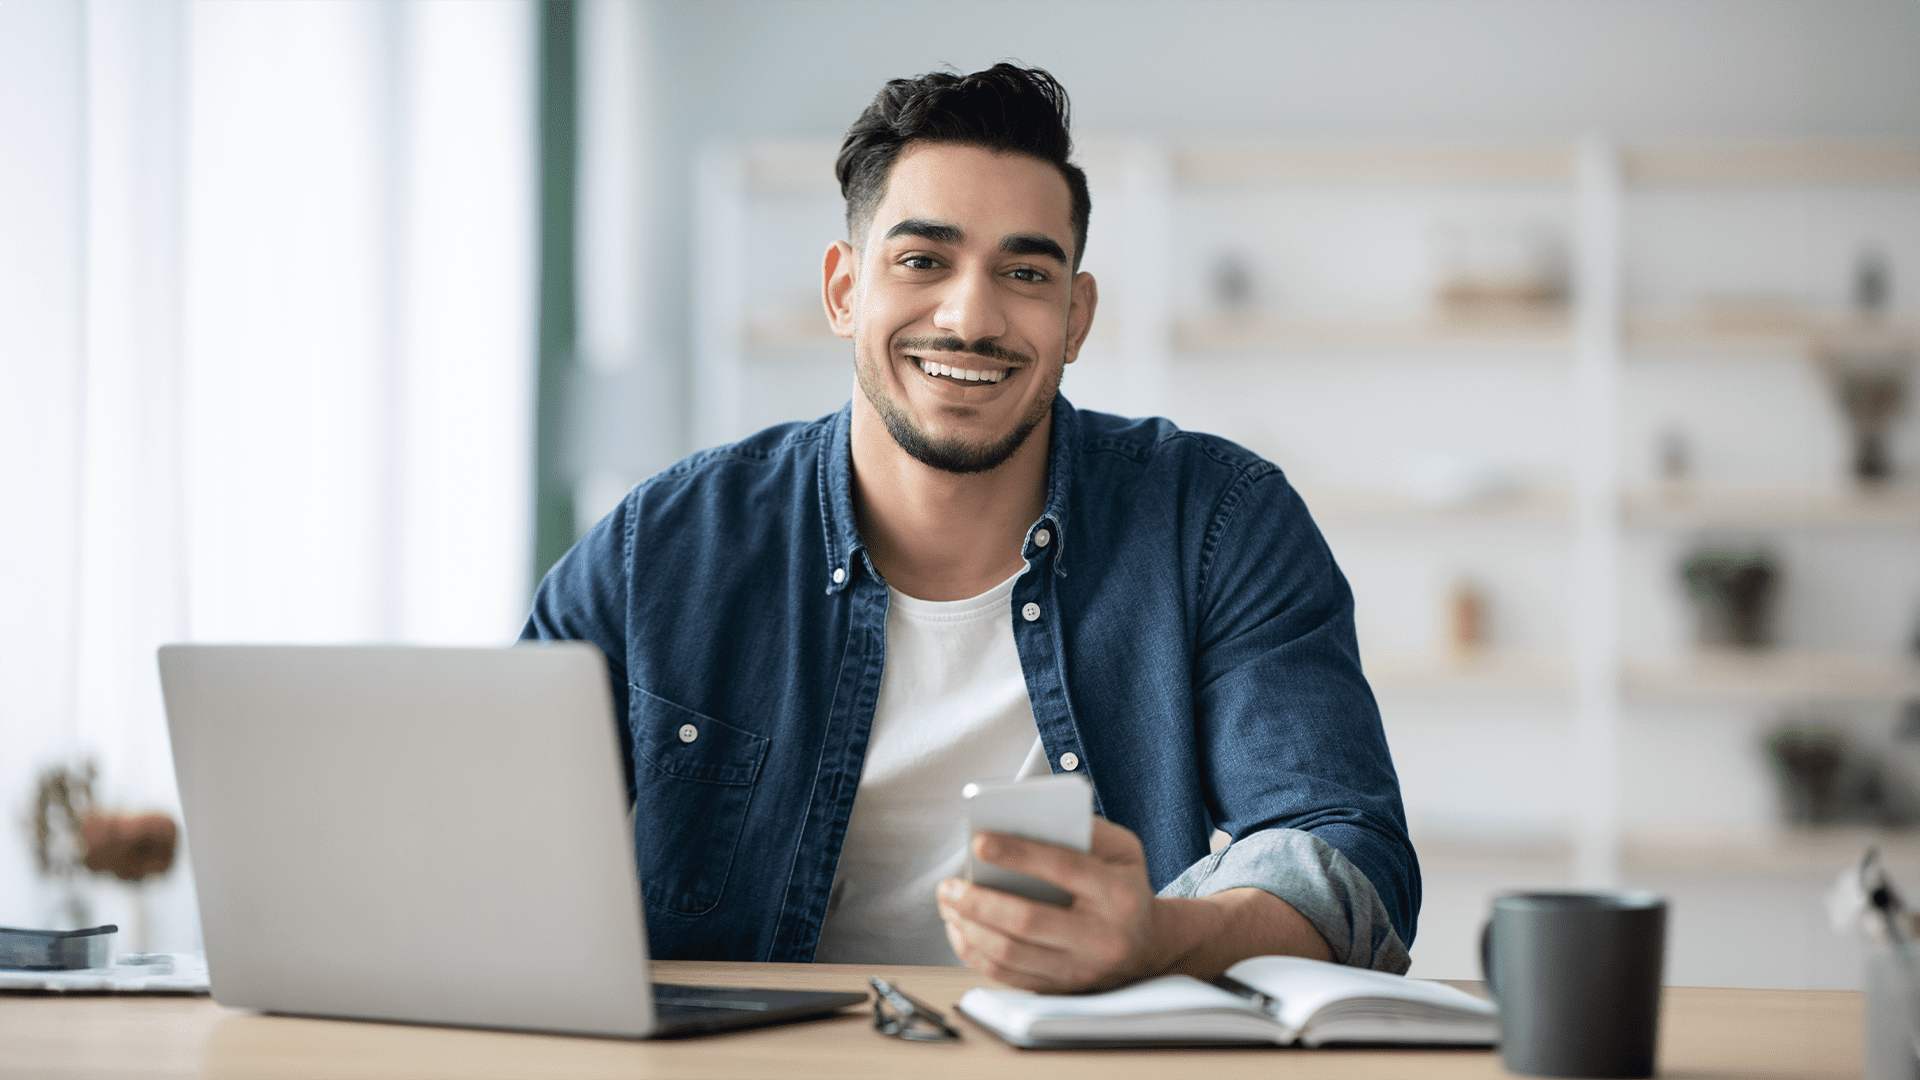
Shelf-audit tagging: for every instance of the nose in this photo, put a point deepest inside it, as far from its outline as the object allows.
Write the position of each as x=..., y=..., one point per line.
x=971, y=308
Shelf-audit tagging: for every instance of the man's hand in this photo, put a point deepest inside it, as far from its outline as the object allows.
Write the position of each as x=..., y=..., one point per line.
x=1116, y=930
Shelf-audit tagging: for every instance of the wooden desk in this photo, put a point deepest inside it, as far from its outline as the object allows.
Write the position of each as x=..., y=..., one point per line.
x=1705, y=1033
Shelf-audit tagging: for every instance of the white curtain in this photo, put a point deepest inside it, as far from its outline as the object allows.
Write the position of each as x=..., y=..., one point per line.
x=266, y=359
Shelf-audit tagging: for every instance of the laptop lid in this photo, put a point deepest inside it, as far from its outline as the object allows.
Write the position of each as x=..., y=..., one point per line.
x=433, y=835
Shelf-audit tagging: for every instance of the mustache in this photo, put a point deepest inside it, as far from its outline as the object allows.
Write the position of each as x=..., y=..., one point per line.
x=950, y=343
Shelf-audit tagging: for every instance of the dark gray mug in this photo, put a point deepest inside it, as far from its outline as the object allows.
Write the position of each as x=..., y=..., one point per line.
x=1577, y=978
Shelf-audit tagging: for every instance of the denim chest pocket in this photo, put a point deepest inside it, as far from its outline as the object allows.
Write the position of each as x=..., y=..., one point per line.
x=694, y=779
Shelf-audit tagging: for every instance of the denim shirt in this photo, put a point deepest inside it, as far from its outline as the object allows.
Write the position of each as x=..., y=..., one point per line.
x=1186, y=638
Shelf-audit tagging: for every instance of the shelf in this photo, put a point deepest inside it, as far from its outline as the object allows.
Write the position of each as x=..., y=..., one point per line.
x=1715, y=677
x=1894, y=506
x=1269, y=163
x=1773, y=675
x=1359, y=506
x=805, y=166
x=791, y=332
x=1257, y=334
x=1686, y=507
x=1754, y=330
x=1491, y=670
x=1261, y=335
x=1733, y=162
x=1817, y=852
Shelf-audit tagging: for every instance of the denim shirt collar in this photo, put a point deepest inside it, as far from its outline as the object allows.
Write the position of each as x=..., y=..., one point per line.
x=843, y=542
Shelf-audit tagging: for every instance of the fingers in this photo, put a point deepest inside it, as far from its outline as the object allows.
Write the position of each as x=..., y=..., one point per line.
x=1013, y=916
x=1007, y=938
x=1105, y=936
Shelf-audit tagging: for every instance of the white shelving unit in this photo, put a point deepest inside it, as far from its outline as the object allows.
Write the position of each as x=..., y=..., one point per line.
x=1355, y=316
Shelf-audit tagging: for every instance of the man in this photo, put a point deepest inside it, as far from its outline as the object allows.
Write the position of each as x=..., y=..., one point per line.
x=817, y=635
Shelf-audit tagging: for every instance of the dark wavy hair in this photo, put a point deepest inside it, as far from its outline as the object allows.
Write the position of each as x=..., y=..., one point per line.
x=1006, y=109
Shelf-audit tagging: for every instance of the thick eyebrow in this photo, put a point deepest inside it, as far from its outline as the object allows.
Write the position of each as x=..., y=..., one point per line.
x=1033, y=244
x=937, y=231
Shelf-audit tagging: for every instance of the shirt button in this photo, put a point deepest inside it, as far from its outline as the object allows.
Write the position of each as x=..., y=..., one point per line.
x=688, y=733
x=1069, y=761
x=839, y=574
x=1042, y=538
x=1031, y=612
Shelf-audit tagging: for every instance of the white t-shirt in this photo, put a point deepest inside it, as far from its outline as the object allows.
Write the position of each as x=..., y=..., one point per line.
x=953, y=708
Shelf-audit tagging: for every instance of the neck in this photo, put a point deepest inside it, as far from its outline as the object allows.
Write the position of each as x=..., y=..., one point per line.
x=936, y=535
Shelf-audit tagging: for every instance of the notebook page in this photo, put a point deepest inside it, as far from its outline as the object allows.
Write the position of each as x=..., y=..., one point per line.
x=1303, y=986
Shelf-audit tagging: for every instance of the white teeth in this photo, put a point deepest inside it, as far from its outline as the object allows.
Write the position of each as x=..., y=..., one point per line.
x=963, y=374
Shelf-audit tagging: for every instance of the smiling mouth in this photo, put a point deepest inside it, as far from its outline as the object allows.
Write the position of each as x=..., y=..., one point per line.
x=959, y=374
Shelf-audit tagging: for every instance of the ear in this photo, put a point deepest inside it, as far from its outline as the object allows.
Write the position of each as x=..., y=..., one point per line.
x=1082, y=299
x=837, y=272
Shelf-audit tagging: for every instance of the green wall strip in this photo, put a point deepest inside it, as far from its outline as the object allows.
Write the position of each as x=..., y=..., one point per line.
x=553, y=522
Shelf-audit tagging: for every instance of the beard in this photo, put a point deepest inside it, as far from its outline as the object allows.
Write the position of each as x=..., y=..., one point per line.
x=953, y=455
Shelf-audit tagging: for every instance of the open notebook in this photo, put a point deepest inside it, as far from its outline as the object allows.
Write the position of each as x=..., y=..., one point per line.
x=1280, y=1000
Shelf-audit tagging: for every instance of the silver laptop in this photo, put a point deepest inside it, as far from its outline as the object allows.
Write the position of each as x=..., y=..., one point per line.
x=426, y=835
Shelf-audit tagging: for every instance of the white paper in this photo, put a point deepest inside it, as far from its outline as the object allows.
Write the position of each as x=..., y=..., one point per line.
x=146, y=973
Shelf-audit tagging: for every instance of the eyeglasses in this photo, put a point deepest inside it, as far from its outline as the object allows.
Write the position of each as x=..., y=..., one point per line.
x=896, y=1014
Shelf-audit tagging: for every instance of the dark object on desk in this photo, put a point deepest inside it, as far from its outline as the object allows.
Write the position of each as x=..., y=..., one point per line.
x=1577, y=976
x=1734, y=592
x=900, y=1014
x=685, y=1011
x=56, y=950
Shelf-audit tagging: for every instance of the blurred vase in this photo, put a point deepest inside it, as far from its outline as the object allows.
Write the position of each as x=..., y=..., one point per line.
x=1733, y=593
x=1868, y=362
x=1808, y=761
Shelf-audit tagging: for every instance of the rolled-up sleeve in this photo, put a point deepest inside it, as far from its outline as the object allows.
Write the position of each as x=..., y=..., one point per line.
x=1320, y=883
x=1292, y=750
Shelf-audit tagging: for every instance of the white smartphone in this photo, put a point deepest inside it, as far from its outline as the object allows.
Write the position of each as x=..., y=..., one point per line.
x=1055, y=809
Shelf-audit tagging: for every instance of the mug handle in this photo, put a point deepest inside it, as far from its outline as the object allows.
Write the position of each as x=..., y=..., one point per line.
x=1486, y=958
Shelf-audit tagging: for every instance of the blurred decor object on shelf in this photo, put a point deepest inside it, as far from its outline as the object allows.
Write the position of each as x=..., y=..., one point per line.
x=131, y=847
x=1807, y=760
x=1500, y=273
x=1733, y=592
x=1466, y=620
x=1869, y=362
x=1826, y=778
x=1674, y=456
x=1231, y=282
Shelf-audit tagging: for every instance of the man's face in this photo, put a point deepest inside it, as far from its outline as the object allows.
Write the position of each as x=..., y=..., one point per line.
x=963, y=307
